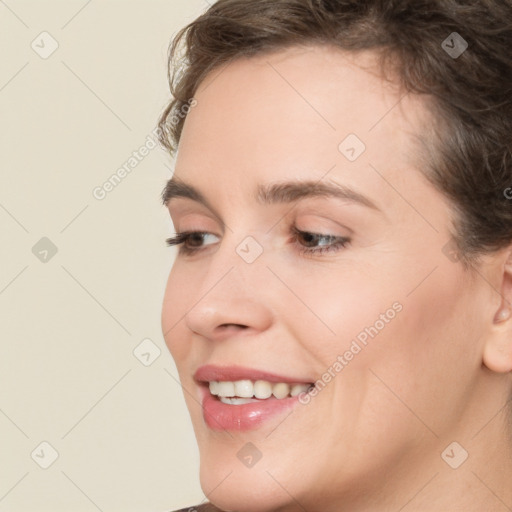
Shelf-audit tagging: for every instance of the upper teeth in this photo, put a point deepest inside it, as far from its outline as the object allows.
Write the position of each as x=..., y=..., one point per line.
x=258, y=389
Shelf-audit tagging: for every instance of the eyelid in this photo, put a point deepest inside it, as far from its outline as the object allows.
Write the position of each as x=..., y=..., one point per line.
x=307, y=208
x=313, y=225
x=197, y=223
x=191, y=209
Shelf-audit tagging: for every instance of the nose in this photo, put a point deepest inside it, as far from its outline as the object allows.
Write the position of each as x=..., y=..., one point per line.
x=230, y=300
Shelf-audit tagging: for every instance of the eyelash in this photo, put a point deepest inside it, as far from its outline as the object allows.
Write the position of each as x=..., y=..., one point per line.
x=340, y=242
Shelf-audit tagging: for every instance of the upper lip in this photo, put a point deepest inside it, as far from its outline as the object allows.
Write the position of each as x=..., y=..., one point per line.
x=210, y=372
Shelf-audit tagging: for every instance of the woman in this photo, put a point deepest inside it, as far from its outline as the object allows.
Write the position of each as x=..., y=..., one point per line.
x=339, y=309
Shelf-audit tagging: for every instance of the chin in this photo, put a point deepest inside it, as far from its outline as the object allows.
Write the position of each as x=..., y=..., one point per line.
x=244, y=490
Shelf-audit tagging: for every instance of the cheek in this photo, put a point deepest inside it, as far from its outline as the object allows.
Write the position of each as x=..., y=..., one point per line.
x=333, y=306
x=387, y=320
x=430, y=347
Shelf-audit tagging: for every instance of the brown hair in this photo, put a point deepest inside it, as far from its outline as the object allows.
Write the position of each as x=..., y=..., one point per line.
x=471, y=160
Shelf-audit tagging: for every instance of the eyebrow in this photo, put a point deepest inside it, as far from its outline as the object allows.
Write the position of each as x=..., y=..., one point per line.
x=274, y=193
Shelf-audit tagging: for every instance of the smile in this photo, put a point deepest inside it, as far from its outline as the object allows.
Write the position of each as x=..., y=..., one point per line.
x=245, y=391
x=236, y=398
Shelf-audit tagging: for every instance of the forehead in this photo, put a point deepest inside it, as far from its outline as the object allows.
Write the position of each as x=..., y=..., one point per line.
x=288, y=113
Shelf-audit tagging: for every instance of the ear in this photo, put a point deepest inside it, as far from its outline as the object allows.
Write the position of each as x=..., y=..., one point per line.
x=497, y=354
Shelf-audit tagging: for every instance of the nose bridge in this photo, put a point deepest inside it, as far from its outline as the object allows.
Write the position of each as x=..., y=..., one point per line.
x=239, y=261
x=231, y=291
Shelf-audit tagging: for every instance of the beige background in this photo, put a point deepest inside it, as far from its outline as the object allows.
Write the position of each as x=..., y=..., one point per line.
x=69, y=324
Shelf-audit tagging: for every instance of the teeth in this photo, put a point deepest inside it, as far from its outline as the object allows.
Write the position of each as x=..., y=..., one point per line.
x=245, y=390
x=281, y=390
x=262, y=389
x=235, y=401
x=299, y=388
x=226, y=388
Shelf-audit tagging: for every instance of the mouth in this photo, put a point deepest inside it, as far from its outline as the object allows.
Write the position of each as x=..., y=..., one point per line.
x=236, y=398
x=247, y=391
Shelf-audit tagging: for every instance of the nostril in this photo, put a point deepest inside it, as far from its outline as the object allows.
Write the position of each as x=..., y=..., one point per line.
x=224, y=331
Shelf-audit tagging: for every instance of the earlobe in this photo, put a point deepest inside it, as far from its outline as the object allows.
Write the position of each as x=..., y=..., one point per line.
x=498, y=347
x=502, y=315
x=497, y=354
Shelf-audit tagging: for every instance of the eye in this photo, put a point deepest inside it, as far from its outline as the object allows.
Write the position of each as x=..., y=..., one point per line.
x=305, y=242
x=188, y=240
x=308, y=240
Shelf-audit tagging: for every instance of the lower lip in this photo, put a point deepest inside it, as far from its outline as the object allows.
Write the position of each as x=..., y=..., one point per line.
x=220, y=416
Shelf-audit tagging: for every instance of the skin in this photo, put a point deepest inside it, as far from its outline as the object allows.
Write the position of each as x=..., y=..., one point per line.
x=440, y=371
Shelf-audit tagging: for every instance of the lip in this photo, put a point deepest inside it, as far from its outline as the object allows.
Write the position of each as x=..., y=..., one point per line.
x=211, y=372
x=225, y=417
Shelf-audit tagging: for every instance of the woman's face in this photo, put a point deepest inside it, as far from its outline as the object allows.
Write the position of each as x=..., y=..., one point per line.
x=385, y=321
